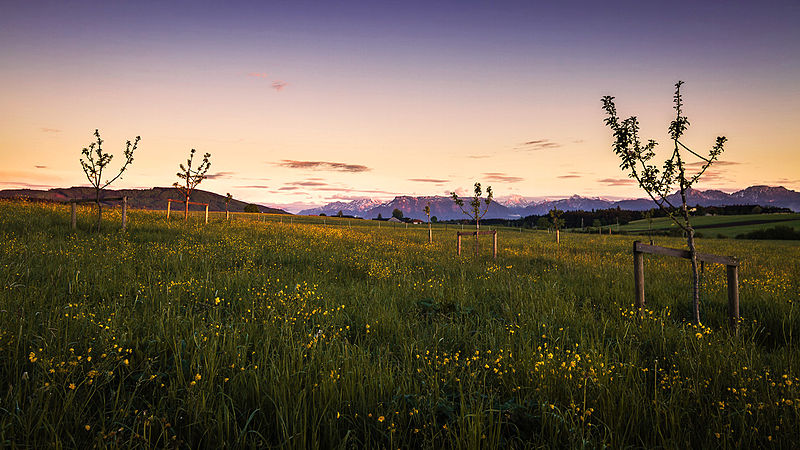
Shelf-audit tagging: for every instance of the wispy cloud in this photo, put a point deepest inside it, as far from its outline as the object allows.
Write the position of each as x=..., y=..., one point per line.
x=258, y=75
x=568, y=176
x=323, y=165
x=50, y=130
x=307, y=183
x=428, y=180
x=219, y=175
x=699, y=164
x=288, y=188
x=617, y=181
x=279, y=85
x=253, y=186
x=479, y=156
x=40, y=167
x=538, y=144
x=23, y=185
x=500, y=177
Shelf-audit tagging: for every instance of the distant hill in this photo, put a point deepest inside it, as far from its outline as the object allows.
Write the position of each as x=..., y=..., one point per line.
x=155, y=198
x=515, y=207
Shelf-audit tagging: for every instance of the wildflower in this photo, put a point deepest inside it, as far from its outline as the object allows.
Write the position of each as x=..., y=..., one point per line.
x=381, y=419
x=87, y=427
x=72, y=386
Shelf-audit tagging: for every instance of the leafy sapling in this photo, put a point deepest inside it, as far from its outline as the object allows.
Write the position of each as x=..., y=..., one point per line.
x=191, y=178
x=94, y=161
x=659, y=183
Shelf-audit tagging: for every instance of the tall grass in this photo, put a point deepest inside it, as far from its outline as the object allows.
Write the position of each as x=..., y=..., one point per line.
x=345, y=335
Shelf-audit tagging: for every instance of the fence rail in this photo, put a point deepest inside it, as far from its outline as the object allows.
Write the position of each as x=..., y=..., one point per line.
x=732, y=272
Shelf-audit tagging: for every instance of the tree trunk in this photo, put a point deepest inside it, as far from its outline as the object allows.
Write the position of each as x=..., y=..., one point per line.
x=430, y=233
x=186, y=209
x=99, y=209
x=692, y=248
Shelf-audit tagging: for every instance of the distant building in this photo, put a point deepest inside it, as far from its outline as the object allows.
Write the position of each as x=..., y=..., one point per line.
x=394, y=219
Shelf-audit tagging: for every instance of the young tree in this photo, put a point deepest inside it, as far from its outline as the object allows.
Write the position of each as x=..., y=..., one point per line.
x=428, y=213
x=557, y=221
x=397, y=214
x=475, y=204
x=228, y=198
x=94, y=160
x=253, y=208
x=658, y=184
x=191, y=178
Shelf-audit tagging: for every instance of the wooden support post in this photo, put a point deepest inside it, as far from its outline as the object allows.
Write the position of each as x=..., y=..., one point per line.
x=476, y=245
x=558, y=236
x=124, y=213
x=494, y=245
x=638, y=277
x=169, y=206
x=206, y=213
x=74, y=215
x=733, y=297
x=459, y=245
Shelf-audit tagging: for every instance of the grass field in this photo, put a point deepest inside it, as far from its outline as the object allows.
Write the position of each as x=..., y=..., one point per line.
x=713, y=226
x=345, y=335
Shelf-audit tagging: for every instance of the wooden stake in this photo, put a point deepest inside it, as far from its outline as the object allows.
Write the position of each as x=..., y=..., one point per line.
x=74, y=218
x=494, y=245
x=733, y=297
x=638, y=277
x=459, y=245
x=124, y=213
x=206, y=213
x=169, y=206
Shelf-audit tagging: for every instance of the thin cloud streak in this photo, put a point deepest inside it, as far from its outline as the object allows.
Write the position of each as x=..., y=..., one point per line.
x=500, y=177
x=428, y=180
x=323, y=165
x=279, y=85
x=617, y=181
x=538, y=144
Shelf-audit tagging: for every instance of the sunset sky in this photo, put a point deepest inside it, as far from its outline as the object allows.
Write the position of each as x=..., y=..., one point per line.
x=302, y=103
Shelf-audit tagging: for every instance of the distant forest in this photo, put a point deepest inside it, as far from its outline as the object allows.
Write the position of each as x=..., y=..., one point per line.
x=614, y=216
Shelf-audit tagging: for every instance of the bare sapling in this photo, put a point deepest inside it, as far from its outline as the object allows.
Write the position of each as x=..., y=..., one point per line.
x=228, y=198
x=658, y=183
x=191, y=178
x=557, y=221
x=474, y=212
x=94, y=161
x=428, y=213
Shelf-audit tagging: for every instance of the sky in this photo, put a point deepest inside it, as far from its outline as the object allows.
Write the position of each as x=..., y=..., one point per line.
x=303, y=103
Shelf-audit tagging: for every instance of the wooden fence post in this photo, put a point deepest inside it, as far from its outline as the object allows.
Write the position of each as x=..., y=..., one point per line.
x=494, y=245
x=476, y=244
x=733, y=297
x=638, y=277
x=74, y=215
x=124, y=213
x=459, y=245
x=206, y=213
x=169, y=206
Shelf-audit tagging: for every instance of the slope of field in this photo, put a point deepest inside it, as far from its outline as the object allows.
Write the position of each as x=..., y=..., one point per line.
x=276, y=331
x=712, y=226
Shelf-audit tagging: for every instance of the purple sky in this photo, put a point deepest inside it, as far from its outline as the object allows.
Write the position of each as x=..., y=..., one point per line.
x=427, y=97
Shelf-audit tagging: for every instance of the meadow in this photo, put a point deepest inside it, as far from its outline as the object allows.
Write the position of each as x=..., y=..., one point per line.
x=270, y=331
x=716, y=226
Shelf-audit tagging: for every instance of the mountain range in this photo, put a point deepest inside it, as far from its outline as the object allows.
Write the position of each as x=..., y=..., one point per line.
x=443, y=208
x=154, y=198
x=515, y=207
